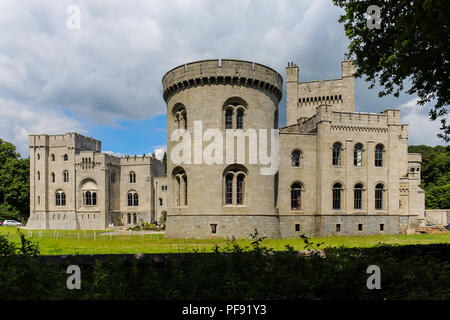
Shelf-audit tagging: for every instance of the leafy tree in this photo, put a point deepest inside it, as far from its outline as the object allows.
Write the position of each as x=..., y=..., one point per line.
x=14, y=182
x=435, y=175
x=412, y=44
x=164, y=160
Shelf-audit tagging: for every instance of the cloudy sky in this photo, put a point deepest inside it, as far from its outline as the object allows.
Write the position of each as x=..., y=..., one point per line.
x=104, y=79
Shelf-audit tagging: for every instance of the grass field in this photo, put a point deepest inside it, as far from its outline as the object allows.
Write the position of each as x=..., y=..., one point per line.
x=83, y=242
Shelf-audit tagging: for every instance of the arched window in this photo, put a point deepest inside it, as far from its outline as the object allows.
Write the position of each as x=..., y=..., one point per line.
x=180, y=116
x=66, y=176
x=296, y=196
x=132, y=177
x=133, y=199
x=357, y=155
x=60, y=198
x=87, y=196
x=160, y=201
x=66, y=157
x=53, y=157
x=53, y=177
x=229, y=118
x=39, y=156
x=180, y=187
x=337, y=148
x=229, y=188
x=94, y=198
x=39, y=175
x=234, y=185
x=337, y=196
x=240, y=119
x=357, y=196
x=295, y=157
x=240, y=188
x=379, y=155
x=379, y=196
x=129, y=218
x=134, y=218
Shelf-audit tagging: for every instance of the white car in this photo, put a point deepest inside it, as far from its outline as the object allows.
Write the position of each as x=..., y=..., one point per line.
x=11, y=223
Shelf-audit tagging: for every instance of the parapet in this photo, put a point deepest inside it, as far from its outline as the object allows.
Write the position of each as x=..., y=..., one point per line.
x=70, y=140
x=226, y=71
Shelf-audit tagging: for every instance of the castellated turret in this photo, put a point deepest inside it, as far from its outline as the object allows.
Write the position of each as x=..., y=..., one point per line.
x=233, y=197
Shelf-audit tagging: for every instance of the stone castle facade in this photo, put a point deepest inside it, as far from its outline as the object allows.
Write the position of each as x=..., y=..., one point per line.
x=340, y=172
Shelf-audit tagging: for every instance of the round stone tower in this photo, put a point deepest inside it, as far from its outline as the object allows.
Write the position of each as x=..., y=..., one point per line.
x=211, y=105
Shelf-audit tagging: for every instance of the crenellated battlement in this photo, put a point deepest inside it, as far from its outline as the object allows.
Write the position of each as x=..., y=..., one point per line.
x=225, y=71
x=70, y=140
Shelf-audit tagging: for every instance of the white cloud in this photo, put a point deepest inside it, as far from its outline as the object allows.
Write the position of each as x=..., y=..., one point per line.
x=159, y=152
x=17, y=121
x=420, y=128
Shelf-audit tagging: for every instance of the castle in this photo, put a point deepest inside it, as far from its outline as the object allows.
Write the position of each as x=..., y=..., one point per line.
x=339, y=172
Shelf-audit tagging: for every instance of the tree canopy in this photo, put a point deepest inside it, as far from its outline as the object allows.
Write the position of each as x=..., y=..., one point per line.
x=435, y=175
x=14, y=183
x=410, y=47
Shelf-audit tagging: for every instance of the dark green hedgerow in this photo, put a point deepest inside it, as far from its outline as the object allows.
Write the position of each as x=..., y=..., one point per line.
x=234, y=272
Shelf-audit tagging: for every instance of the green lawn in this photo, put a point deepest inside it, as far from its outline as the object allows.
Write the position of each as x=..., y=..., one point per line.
x=67, y=242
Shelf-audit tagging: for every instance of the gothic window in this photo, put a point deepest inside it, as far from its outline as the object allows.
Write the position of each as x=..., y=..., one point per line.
x=229, y=188
x=337, y=196
x=133, y=199
x=180, y=116
x=39, y=156
x=160, y=201
x=240, y=119
x=134, y=218
x=357, y=195
x=53, y=157
x=132, y=177
x=52, y=177
x=180, y=187
x=337, y=150
x=87, y=196
x=379, y=155
x=129, y=218
x=357, y=155
x=240, y=189
x=296, y=196
x=379, y=196
x=66, y=176
x=94, y=198
x=229, y=119
x=60, y=199
x=296, y=155
x=234, y=185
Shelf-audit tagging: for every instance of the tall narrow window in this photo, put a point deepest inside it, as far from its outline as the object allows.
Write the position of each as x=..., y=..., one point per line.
x=63, y=199
x=379, y=155
x=229, y=189
x=132, y=177
x=66, y=176
x=53, y=157
x=130, y=199
x=134, y=218
x=240, y=119
x=357, y=192
x=357, y=155
x=87, y=198
x=296, y=196
x=240, y=189
x=337, y=196
x=229, y=119
x=295, y=158
x=160, y=201
x=53, y=177
x=58, y=199
x=66, y=157
x=185, y=190
x=135, y=200
x=337, y=147
x=38, y=175
x=129, y=218
x=94, y=198
x=379, y=197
